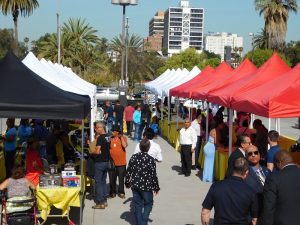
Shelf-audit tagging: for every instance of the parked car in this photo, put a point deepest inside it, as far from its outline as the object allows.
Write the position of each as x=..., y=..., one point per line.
x=106, y=93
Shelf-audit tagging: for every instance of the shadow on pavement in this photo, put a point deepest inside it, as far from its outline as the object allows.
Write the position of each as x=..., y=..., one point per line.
x=128, y=216
x=176, y=168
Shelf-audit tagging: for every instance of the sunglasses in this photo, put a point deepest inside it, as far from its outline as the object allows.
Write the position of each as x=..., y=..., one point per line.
x=252, y=153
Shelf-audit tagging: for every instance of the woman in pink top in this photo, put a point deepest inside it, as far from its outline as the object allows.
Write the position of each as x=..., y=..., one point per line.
x=128, y=112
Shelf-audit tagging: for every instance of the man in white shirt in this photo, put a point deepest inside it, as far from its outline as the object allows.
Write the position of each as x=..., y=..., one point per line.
x=196, y=125
x=188, y=140
x=155, y=150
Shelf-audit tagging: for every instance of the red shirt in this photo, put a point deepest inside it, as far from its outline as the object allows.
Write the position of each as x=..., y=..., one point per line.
x=129, y=110
x=31, y=157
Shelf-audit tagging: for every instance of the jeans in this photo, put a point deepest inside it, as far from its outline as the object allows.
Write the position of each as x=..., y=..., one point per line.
x=100, y=178
x=136, y=131
x=119, y=121
x=142, y=203
x=129, y=127
x=110, y=121
x=141, y=129
x=119, y=172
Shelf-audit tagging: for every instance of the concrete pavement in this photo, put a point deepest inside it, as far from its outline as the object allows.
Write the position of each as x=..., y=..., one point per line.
x=178, y=202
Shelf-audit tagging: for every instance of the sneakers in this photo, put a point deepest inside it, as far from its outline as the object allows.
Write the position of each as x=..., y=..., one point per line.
x=99, y=206
x=121, y=196
x=112, y=196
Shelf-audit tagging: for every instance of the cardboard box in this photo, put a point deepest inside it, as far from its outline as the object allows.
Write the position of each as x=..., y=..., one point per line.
x=47, y=181
x=65, y=173
x=71, y=182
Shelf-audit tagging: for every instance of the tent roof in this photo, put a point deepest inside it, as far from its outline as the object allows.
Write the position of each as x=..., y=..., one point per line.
x=202, y=77
x=271, y=69
x=164, y=74
x=60, y=80
x=270, y=103
x=222, y=70
x=184, y=78
x=25, y=95
x=177, y=91
x=243, y=70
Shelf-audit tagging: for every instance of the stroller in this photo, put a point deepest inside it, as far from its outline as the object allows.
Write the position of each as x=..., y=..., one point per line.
x=18, y=210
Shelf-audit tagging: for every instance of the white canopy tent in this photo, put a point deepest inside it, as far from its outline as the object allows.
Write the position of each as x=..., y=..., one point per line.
x=62, y=81
x=184, y=77
x=158, y=88
x=149, y=84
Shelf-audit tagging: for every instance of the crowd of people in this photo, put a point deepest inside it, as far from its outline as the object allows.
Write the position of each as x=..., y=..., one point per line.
x=258, y=187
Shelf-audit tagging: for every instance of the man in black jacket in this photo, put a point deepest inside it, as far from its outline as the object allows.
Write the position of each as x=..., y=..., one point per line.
x=257, y=174
x=232, y=199
x=243, y=143
x=281, y=193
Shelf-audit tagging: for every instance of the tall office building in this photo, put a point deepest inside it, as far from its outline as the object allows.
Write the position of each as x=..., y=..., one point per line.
x=183, y=28
x=156, y=24
x=217, y=42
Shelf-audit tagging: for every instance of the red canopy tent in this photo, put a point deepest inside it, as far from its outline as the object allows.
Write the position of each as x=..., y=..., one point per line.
x=178, y=91
x=220, y=72
x=260, y=100
x=183, y=89
x=273, y=68
x=242, y=71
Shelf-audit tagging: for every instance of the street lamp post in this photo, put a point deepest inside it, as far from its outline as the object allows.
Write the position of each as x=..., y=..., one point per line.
x=252, y=43
x=122, y=84
x=126, y=51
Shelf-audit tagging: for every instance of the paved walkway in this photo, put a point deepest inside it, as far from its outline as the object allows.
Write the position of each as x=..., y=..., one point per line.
x=178, y=203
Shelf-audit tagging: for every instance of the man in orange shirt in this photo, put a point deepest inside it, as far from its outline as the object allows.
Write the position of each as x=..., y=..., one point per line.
x=118, y=143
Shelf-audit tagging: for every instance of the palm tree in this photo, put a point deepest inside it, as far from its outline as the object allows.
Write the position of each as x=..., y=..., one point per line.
x=261, y=40
x=134, y=43
x=276, y=14
x=14, y=7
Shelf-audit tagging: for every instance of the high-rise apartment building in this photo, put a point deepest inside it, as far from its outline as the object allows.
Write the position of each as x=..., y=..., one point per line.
x=217, y=42
x=183, y=28
x=156, y=24
x=153, y=43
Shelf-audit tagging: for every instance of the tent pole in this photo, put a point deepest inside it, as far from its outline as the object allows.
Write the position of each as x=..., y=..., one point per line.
x=269, y=126
x=230, y=130
x=251, y=122
x=276, y=124
x=192, y=110
x=279, y=126
x=169, y=115
x=207, y=113
x=162, y=107
x=177, y=109
x=82, y=182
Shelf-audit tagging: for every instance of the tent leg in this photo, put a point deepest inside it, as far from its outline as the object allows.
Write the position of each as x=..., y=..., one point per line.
x=251, y=122
x=162, y=107
x=279, y=128
x=169, y=115
x=230, y=130
x=192, y=110
x=276, y=124
x=269, y=126
x=207, y=113
x=82, y=181
x=177, y=117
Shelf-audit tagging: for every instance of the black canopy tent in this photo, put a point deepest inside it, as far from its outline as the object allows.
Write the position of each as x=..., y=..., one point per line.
x=24, y=94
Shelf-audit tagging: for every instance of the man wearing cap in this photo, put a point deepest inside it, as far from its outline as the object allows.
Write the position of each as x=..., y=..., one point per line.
x=118, y=144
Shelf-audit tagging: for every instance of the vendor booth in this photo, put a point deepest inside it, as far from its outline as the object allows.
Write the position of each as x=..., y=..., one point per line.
x=24, y=94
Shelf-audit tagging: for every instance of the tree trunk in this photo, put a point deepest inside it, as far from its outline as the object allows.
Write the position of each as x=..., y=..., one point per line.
x=16, y=38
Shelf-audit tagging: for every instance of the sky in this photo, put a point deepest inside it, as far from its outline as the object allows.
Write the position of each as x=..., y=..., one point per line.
x=232, y=16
